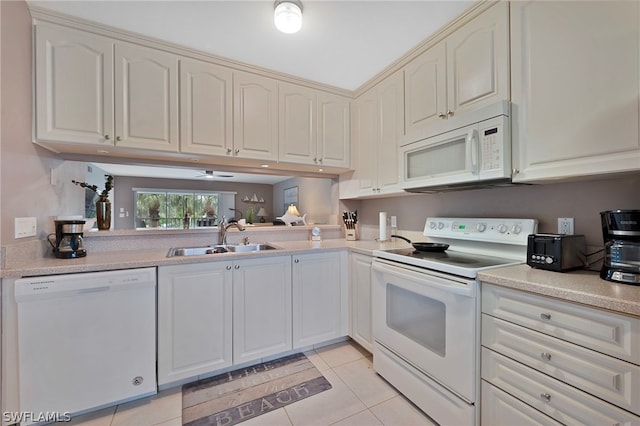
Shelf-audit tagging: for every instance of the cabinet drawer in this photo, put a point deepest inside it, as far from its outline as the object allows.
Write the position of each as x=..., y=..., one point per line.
x=609, y=378
x=607, y=332
x=498, y=408
x=564, y=403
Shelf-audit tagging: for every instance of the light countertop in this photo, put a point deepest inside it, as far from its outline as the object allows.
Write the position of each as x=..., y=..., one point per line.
x=124, y=259
x=583, y=287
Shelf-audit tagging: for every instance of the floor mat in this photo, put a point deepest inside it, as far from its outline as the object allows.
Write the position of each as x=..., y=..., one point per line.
x=239, y=395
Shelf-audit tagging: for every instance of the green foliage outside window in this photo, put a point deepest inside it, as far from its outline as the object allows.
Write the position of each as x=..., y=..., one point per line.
x=167, y=210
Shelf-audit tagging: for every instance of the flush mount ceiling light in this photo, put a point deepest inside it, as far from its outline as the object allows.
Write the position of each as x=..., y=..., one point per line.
x=288, y=16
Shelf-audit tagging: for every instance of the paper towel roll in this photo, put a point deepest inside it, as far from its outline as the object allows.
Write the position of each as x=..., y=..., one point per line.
x=383, y=226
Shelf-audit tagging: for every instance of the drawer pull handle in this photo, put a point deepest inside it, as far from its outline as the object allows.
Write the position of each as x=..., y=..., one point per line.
x=545, y=317
x=545, y=397
x=546, y=355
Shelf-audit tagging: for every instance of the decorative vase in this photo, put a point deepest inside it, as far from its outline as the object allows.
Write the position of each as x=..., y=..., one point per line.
x=103, y=214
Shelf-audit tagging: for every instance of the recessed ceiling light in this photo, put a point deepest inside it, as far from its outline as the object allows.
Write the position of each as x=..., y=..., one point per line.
x=266, y=166
x=102, y=151
x=321, y=170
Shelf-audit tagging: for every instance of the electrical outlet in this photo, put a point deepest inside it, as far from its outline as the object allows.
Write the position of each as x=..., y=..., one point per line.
x=565, y=225
x=394, y=221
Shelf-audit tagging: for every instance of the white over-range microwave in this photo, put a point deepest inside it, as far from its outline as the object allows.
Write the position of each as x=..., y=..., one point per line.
x=475, y=154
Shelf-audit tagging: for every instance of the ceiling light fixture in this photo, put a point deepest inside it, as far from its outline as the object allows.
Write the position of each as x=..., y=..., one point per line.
x=288, y=16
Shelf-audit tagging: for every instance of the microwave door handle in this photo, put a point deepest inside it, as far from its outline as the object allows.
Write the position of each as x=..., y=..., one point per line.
x=472, y=151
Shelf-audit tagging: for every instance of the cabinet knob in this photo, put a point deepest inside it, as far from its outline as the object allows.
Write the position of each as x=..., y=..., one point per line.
x=315, y=159
x=320, y=160
x=545, y=316
x=229, y=151
x=228, y=267
x=545, y=355
x=237, y=266
x=296, y=261
x=515, y=171
x=441, y=115
x=107, y=137
x=545, y=397
x=118, y=138
x=449, y=113
x=237, y=151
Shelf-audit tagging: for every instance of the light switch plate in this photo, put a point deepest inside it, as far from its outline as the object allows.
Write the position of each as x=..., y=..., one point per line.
x=25, y=227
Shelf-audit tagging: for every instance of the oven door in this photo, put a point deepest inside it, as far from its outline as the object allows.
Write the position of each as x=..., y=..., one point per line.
x=428, y=319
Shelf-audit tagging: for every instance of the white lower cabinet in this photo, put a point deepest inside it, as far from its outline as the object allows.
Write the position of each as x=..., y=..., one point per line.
x=575, y=364
x=360, y=293
x=261, y=307
x=320, y=311
x=194, y=319
x=216, y=314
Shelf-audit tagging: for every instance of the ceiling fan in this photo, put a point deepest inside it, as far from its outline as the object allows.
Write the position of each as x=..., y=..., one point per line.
x=210, y=174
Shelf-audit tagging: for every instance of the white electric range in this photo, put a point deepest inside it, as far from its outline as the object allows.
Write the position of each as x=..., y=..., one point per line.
x=426, y=311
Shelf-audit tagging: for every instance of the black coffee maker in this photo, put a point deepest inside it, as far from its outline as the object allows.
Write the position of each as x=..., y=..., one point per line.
x=621, y=235
x=68, y=243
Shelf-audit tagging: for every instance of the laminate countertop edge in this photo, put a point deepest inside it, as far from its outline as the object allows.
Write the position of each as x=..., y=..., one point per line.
x=584, y=287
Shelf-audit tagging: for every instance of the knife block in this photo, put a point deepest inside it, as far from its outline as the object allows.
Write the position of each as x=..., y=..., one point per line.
x=351, y=234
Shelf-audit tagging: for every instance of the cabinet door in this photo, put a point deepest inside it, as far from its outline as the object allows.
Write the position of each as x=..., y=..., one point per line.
x=478, y=62
x=255, y=107
x=425, y=90
x=194, y=320
x=206, y=108
x=261, y=308
x=575, y=69
x=334, y=130
x=146, y=98
x=297, y=124
x=390, y=129
x=74, y=86
x=360, y=292
x=319, y=298
x=366, y=136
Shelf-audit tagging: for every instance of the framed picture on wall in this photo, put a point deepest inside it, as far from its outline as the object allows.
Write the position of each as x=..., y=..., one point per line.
x=290, y=197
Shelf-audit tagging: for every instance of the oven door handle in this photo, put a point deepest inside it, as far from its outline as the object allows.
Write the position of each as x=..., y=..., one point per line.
x=433, y=282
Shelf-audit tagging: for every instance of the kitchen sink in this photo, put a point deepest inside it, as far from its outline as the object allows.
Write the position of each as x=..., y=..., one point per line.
x=222, y=248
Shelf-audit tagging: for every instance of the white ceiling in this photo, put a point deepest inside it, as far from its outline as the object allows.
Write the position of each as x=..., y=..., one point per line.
x=342, y=43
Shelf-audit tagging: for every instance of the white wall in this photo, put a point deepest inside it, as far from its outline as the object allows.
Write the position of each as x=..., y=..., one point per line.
x=314, y=199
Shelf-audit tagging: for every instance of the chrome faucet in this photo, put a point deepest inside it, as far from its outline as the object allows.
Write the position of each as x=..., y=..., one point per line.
x=223, y=226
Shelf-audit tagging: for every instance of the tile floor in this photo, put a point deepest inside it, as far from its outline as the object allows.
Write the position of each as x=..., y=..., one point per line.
x=359, y=397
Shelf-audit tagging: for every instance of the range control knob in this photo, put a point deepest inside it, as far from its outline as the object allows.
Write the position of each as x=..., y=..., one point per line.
x=516, y=229
x=481, y=227
x=502, y=228
x=548, y=260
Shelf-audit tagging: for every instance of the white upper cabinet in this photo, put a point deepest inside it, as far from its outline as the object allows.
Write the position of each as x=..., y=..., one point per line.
x=334, y=130
x=468, y=70
x=206, y=108
x=313, y=127
x=378, y=120
x=255, y=106
x=146, y=98
x=297, y=124
x=91, y=90
x=74, y=86
x=575, y=68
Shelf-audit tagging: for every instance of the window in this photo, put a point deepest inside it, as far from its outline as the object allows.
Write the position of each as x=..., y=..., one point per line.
x=167, y=209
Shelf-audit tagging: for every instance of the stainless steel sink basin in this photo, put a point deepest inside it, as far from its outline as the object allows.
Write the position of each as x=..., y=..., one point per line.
x=226, y=248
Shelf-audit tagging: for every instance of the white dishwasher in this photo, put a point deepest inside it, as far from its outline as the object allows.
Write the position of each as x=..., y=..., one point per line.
x=86, y=340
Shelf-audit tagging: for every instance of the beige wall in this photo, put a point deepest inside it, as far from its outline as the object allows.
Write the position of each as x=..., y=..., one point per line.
x=315, y=199
x=581, y=200
x=25, y=188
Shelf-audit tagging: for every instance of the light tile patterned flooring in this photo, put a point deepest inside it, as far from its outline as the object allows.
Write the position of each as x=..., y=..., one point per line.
x=359, y=397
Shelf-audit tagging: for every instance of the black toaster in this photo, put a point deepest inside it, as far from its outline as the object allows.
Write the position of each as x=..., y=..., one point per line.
x=556, y=252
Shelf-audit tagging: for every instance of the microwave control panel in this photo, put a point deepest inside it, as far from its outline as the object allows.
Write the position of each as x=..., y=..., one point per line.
x=490, y=148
